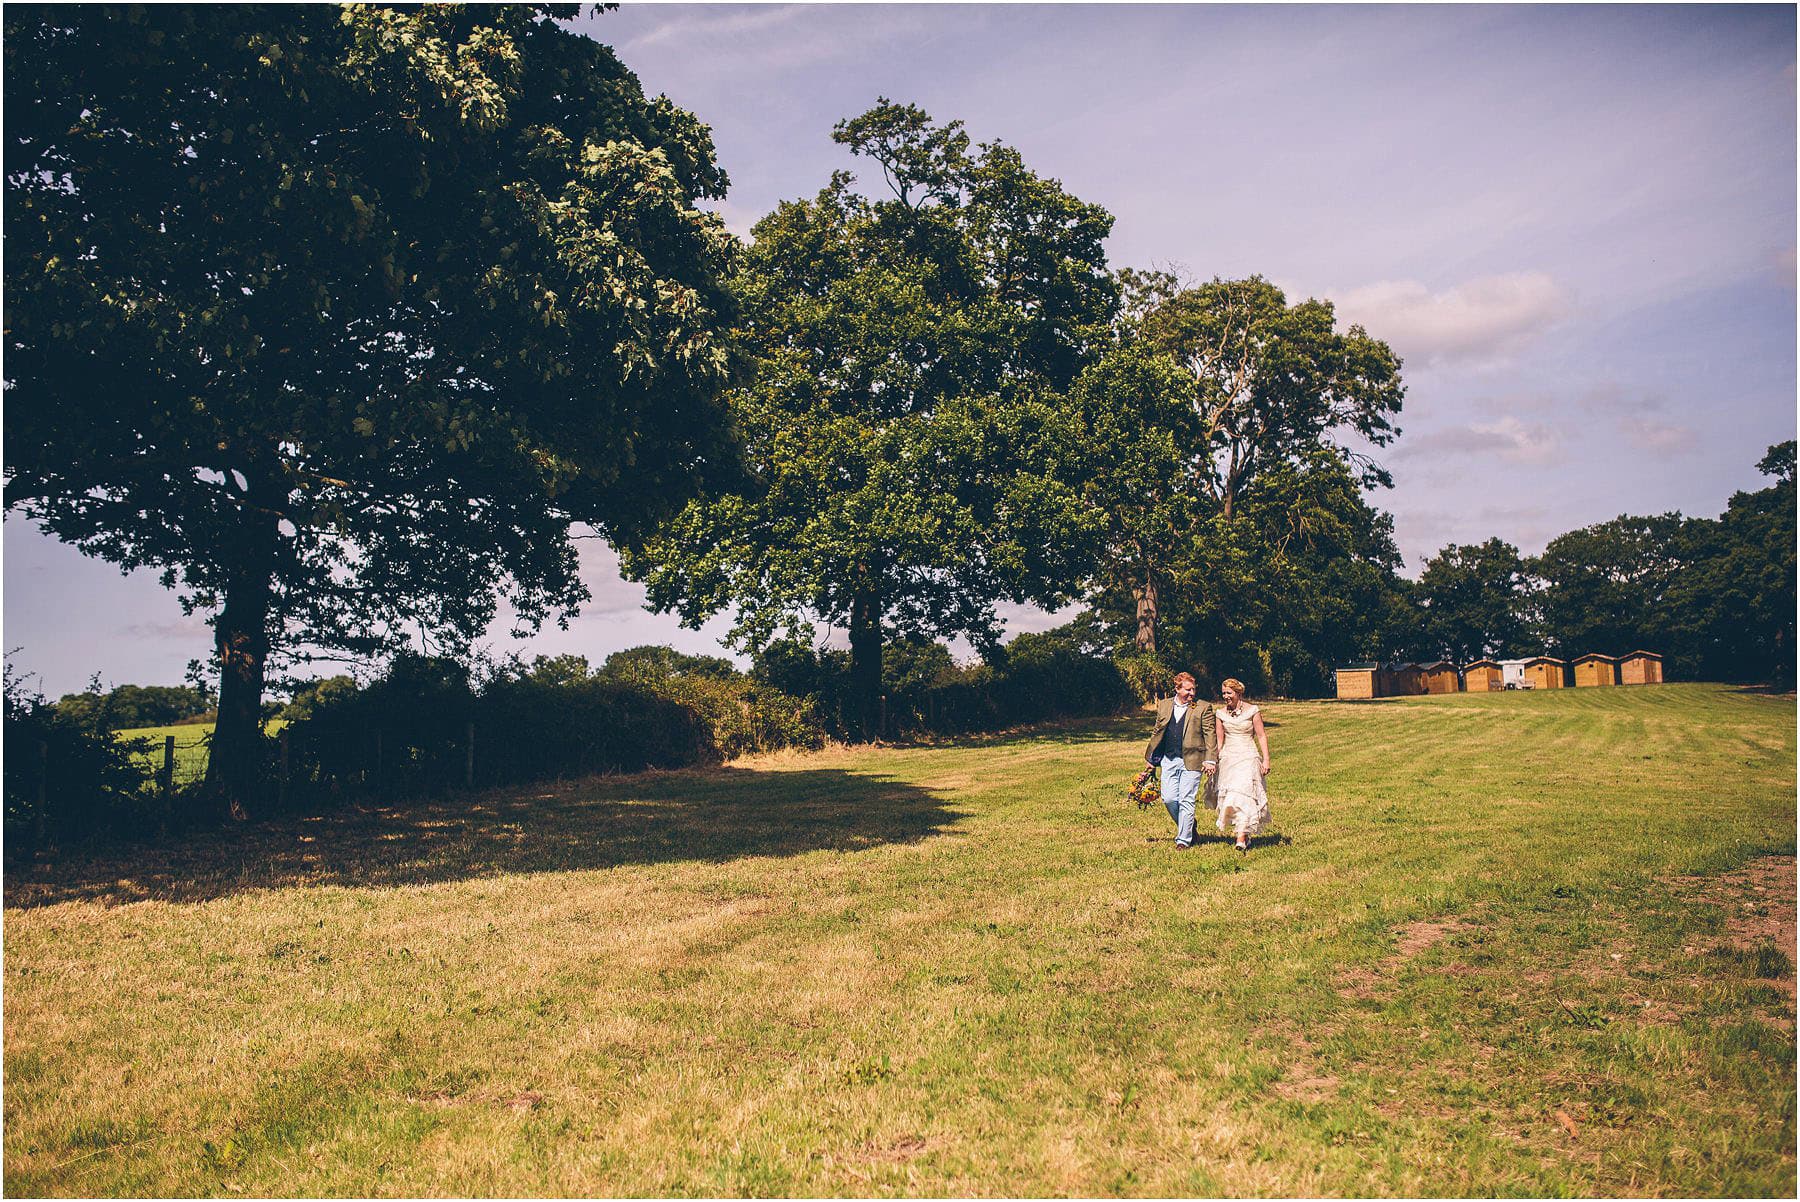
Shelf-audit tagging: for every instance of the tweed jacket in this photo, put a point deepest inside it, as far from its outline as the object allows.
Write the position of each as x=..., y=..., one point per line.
x=1199, y=734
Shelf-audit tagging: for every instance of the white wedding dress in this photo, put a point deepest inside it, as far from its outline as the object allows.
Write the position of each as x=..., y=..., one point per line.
x=1243, y=801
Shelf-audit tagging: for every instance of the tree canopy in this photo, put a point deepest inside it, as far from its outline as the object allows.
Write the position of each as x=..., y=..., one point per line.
x=1273, y=381
x=1223, y=434
x=1477, y=602
x=907, y=351
x=343, y=316
x=1606, y=587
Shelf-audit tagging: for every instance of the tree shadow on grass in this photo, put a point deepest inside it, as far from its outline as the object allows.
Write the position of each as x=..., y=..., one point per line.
x=1764, y=690
x=709, y=815
x=1071, y=731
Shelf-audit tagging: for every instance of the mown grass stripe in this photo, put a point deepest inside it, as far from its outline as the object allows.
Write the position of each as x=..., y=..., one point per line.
x=957, y=969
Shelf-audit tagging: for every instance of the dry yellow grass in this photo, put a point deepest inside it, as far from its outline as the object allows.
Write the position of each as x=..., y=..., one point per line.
x=954, y=970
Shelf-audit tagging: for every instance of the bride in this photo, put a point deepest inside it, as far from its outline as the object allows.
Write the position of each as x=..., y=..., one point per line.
x=1243, y=802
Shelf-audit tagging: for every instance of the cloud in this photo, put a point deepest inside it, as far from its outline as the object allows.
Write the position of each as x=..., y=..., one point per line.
x=781, y=37
x=183, y=629
x=1506, y=438
x=1423, y=533
x=1481, y=319
x=1657, y=437
x=612, y=596
x=1638, y=418
x=711, y=23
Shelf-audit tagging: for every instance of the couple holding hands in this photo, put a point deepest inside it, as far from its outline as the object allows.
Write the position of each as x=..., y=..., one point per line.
x=1225, y=742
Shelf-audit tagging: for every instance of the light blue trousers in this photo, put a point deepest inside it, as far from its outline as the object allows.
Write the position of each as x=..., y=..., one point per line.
x=1180, y=786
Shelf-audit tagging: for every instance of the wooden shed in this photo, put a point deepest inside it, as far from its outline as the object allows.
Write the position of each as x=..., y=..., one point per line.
x=1545, y=672
x=1400, y=680
x=1593, y=670
x=1440, y=677
x=1483, y=676
x=1640, y=667
x=1357, y=682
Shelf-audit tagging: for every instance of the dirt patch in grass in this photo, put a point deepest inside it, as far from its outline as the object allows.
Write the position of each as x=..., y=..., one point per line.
x=897, y=1151
x=1416, y=937
x=1410, y=941
x=1757, y=905
x=1768, y=913
x=1308, y=1089
x=517, y=1102
x=1758, y=900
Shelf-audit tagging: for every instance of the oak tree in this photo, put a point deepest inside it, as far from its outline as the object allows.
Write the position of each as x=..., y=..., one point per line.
x=343, y=316
x=908, y=349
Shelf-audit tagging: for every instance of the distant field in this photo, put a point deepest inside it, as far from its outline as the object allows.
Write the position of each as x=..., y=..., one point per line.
x=1499, y=944
x=190, y=745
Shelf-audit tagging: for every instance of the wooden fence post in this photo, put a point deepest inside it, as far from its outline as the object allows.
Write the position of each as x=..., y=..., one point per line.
x=39, y=819
x=282, y=787
x=165, y=781
x=469, y=756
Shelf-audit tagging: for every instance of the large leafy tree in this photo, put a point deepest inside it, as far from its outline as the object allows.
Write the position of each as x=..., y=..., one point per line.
x=1477, y=600
x=908, y=349
x=343, y=316
x=1273, y=381
x=1226, y=427
x=1133, y=428
x=1605, y=588
x=1301, y=578
x=1731, y=608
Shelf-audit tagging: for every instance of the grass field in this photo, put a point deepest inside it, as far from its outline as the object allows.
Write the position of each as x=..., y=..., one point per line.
x=190, y=745
x=1498, y=944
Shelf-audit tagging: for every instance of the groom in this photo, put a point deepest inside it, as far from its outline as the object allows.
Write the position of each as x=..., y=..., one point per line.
x=1185, y=741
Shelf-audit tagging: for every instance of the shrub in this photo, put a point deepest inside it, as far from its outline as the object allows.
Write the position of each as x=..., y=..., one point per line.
x=819, y=678
x=310, y=695
x=91, y=783
x=409, y=730
x=1146, y=676
x=1051, y=675
x=131, y=705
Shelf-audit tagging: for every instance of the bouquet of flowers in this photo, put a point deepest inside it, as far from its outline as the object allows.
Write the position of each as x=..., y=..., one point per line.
x=1146, y=790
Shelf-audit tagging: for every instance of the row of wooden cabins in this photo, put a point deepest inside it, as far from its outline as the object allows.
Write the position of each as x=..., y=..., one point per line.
x=1356, y=681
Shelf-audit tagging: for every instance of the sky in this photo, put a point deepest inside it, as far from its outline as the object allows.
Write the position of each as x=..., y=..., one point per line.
x=1575, y=224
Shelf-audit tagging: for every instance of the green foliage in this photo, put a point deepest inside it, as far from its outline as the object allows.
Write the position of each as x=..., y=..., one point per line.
x=341, y=316
x=1605, y=587
x=312, y=695
x=131, y=705
x=1477, y=602
x=1715, y=597
x=1147, y=678
x=1210, y=444
x=1057, y=674
x=907, y=351
x=649, y=707
x=645, y=665
x=1274, y=381
x=67, y=777
x=1732, y=605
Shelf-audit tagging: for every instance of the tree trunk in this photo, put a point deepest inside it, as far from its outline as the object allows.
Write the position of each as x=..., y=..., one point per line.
x=865, y=662
x=1147, y=597
x=240, y=634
